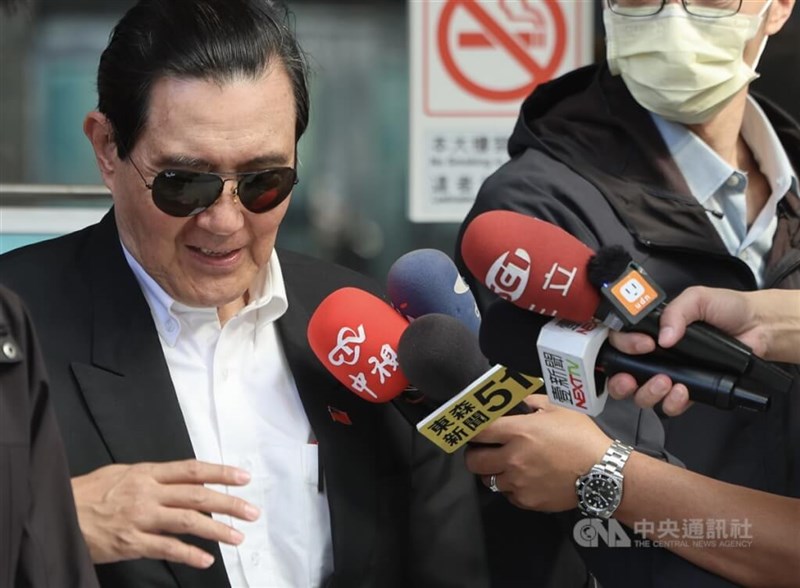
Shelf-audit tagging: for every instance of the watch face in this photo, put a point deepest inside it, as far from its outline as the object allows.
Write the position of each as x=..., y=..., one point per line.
x=599, y=494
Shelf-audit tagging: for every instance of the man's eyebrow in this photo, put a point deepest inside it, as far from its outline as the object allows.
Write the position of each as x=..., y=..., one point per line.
x=180, y=160
x=267, y=160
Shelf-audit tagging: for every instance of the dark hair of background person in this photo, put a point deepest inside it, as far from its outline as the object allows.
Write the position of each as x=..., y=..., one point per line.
x=216, y=40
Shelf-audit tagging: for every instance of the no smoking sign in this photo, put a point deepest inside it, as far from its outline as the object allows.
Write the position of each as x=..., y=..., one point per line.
x=473, y=62
x=482, y=56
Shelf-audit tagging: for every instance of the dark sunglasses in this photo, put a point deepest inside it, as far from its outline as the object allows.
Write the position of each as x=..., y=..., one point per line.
x=186, y=193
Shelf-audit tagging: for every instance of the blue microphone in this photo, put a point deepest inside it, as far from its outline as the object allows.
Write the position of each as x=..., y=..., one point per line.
x=426, y=281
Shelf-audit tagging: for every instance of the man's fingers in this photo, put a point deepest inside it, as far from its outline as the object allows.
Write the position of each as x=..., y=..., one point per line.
x=487, y=481
x=192, y=471
x=653, y=391
x=174, y=550
x=689, y=306
x=200, y=498
x=632, y=343
x=507, y=426
x=677, y=400
x=191, y=522
x=621, y=386
x=537, y=402
x=674, y=398
x=484, y=461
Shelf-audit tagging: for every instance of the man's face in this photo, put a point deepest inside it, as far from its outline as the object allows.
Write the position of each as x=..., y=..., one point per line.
x=776, y=16
x=212, y=258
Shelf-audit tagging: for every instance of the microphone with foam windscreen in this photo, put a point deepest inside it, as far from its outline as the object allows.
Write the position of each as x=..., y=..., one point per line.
x=426, y=281
x=534, y=264
x=573, y=359
x=355, y=335
x=540, y=267
x=442, y=358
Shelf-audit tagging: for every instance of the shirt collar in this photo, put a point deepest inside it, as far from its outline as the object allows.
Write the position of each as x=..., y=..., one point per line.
x=767, y=149
x=705, y=171
x=702, y=168
x=268, y=298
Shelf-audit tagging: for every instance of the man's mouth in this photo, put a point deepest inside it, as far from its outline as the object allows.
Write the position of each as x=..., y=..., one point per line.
x=215, y=252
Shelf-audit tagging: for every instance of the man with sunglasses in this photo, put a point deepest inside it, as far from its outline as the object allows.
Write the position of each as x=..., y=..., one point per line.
x=662, y=150
x=175, y=336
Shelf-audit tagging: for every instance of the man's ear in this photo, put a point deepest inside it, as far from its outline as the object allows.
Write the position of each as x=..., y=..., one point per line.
x=98, y=130
x=778, y=14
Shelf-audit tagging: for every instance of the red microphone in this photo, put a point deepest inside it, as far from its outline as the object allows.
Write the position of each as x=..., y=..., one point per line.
x=531, y=263
x=355, y=335
x=541, y=267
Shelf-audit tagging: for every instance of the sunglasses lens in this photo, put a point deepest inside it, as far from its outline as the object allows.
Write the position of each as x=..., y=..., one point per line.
x=265, y=190
x=184, y=193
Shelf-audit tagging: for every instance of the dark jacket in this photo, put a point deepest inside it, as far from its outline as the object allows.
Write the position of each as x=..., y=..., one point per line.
x=41, y=544
x=403, y=513
x=585, y=156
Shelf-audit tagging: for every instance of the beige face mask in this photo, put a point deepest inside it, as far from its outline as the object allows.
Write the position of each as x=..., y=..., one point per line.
x=682, y=67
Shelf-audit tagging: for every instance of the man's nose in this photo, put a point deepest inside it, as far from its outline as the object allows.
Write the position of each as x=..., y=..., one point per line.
x=234, y=186
x=226, y=215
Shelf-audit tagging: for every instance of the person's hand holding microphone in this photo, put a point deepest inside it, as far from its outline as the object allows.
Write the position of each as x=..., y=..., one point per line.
x=768, y=321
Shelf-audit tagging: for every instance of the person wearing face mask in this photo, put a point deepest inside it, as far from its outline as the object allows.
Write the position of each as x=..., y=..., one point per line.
x=663, y=150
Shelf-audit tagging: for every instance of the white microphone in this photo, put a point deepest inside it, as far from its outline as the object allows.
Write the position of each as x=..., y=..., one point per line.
x=568, y=353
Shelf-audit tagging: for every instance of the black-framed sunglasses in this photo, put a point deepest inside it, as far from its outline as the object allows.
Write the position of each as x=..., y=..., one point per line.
x=187, y=193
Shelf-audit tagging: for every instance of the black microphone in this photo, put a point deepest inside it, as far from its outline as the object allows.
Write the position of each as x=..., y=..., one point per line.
x=716, y=349
x=509, y=334
x=441, y=357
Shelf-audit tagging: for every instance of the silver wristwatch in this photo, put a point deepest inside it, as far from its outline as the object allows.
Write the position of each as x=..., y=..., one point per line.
x=600, y=491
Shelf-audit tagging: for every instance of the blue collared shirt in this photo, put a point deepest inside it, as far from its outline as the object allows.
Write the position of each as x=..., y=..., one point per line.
x=721, y=188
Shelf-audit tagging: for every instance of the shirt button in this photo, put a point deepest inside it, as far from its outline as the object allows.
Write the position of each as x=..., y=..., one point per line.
x=255, y=559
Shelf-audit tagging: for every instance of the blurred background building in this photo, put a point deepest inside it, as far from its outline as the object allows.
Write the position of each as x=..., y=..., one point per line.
x=351, y=204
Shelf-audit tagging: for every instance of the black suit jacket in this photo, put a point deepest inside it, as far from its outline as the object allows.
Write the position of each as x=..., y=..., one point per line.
x=41, y=544
x=402, y=513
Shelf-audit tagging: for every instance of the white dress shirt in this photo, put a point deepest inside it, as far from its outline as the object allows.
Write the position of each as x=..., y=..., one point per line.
x=241, y=408
x=721, y=189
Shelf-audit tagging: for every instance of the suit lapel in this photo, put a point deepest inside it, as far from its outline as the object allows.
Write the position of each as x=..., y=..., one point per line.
x=346, y=450
x=128, y=388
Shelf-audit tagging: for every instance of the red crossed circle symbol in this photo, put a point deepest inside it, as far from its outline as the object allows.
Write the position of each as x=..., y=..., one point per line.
x=539, y=73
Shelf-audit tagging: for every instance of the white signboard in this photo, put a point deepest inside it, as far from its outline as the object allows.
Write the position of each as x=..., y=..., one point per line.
x=473, y=62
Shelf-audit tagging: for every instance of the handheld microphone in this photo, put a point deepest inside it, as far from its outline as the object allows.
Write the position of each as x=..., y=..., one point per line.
x=426, y=281
x=540, y=267
x=536, y=265
x=569, y=356
x=355, y=335
x=441, y=357
x=625, y=306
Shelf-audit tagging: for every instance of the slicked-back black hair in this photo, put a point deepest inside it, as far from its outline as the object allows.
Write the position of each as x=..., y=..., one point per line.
x=216, y=40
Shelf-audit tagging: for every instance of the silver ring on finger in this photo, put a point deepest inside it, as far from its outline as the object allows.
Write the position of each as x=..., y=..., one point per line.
x=493, y=483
